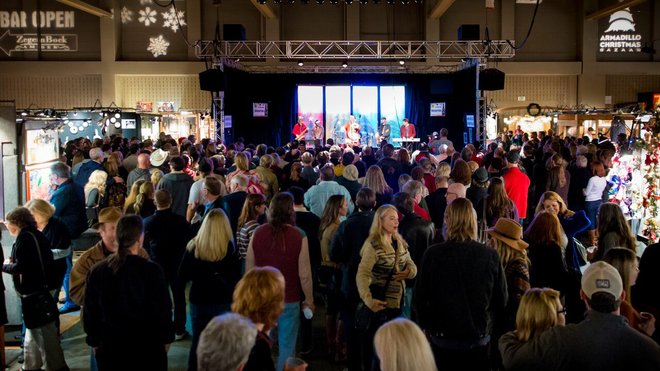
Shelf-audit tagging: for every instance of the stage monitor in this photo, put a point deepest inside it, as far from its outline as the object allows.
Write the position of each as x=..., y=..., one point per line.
x=259, y=109
x=438, y=109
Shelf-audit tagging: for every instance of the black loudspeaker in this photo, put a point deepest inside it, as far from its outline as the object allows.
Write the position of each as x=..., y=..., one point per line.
x=468, y=32
x=491, y=79
x=233, y=32
x=212, y=80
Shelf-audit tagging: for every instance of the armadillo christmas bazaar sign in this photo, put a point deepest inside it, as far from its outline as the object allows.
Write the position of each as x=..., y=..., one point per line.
x=47, y=30
x=622, y=35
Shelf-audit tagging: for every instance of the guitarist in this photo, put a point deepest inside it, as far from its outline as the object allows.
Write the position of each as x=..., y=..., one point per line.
x=299, y=129
x=385, y=130
x=352, y=130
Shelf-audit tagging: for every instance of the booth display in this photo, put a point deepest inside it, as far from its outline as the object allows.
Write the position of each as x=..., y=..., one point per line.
x=41, y=150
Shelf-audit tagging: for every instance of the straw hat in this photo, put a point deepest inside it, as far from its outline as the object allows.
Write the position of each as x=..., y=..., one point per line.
x=158, y=157
x=108, y=215
x=509, y=232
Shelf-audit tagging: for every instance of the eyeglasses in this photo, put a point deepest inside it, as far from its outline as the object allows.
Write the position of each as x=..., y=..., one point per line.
x=562, y=311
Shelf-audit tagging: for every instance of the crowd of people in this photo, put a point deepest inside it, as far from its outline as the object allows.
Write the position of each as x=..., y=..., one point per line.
x=508, y=258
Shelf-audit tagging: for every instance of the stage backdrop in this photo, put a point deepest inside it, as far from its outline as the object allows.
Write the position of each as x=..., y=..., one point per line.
x=346, y=94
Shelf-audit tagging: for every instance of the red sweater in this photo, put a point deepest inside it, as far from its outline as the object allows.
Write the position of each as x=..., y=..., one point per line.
x=516, y=184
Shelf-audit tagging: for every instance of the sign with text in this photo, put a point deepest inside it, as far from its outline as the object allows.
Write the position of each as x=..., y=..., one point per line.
x=259, y=109
x=437, y=109
x=47, y=30
x=623, y=34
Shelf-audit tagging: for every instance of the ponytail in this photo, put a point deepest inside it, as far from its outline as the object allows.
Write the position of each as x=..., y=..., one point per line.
x=129, y=231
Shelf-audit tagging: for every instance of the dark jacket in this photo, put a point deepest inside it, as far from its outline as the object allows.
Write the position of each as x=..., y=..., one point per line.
x=310, y=223
x=260, y=357
x=86, y=170
x=547, y=267
x=476, y=195
x=437, y=203
x=419, y=235
x=178, y=184
x=165, y=238
x=353, y=186
x=69, y=202
x=345, y=249
x=232, y=204
x=391, y=170
x=26, y=267
x=57, y=233
x=128, y=314
x=579, y=179
x=212, y=282
x=459, y=287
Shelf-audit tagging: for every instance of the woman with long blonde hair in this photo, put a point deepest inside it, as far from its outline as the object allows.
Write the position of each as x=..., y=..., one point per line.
x=132, y=195
x=144, y=201
x=375, y=180
x=95, y=188
x=156, y=176
x=212, y=264
x=384, y=254
x=401, y=345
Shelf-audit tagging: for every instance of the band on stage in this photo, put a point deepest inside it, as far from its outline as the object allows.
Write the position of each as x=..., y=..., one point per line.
x=352, y=132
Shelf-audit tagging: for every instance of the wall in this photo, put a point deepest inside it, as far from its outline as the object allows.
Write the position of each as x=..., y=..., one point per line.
x=42, y=90
x=548, y=91
x=625, y=88
x=183, y=90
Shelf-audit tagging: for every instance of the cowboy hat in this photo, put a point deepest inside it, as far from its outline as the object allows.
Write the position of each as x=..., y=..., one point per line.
x=158, y=157
x=509, y=232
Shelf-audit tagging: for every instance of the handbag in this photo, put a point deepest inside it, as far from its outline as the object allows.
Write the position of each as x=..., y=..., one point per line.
x=364, y=316
x=39, y=307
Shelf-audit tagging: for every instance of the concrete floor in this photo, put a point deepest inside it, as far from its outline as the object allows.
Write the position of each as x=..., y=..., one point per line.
x=77, y=352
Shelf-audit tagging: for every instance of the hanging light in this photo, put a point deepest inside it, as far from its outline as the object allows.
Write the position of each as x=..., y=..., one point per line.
x=344, y=64
x=402, y=62
x=301, y=63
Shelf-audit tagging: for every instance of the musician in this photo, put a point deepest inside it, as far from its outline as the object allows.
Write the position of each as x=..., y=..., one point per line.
x=384, y=131
x=408, y=130
x=317, y=131
x=299, y=129
x=352, y=130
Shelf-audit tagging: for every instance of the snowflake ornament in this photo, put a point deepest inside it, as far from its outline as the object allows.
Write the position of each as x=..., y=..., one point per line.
x=147, y=16
x=170, y=19
x=126, y=15
x=158, y=46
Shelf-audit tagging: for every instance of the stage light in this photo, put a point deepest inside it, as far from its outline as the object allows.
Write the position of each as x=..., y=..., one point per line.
x=349, y=2
x=320, y=2
x=25, y=113
x=405, y=2
x=344, y=64
x=334, y=2
x=113, y=120
x=402, y=62
x=301, y=63
x=117, y=124
x=117, y=114
x=364, y=2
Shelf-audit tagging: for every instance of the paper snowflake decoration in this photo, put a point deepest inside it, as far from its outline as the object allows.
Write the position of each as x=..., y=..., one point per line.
x=126, y=15
x=147, y=16
x=172, y=19
x=146, y=2
x=158, y=46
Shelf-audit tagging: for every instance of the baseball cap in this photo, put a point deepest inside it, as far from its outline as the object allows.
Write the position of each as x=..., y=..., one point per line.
x=602, y=277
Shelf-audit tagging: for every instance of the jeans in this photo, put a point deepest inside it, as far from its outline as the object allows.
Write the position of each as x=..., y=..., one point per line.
x=287, y=332
x=69, y=264
x=200, y=316
x=93, y=366
x=591, y=208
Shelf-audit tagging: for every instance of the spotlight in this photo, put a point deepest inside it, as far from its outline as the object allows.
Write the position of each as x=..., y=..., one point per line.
x=344, y=64
x=334, y=2
x=402, y=62
x=85, y=124
x=277, y=1
x=405, y=2
x=117, y=114
x=117, y=124
x=25, y=113
x=113, y=120
x=391, y=2
x=349, y=2
x=301, y=63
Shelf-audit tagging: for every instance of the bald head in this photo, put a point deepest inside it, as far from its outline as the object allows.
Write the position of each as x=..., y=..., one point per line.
x=143, y=161
x=454, y=191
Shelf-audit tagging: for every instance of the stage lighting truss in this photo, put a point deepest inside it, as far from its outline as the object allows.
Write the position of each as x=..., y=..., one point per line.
x=352, y=68
x=354, y=50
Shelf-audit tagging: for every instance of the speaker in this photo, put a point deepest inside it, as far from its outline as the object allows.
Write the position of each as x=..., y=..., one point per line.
x=491, y=79
x=212, y=80
x=468, y=32
x=233, y=32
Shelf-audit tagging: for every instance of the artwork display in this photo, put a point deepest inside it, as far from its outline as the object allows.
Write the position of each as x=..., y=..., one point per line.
x=41, y=146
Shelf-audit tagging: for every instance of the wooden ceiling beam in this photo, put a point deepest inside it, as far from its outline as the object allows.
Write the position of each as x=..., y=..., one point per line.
x=440, y=8
x=264, y=9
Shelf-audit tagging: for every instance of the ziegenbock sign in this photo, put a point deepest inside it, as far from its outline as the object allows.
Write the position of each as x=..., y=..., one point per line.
x=47, y=30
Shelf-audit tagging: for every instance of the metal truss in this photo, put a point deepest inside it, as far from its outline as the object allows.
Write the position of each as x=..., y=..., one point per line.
x=254, y=68
x=346, y=50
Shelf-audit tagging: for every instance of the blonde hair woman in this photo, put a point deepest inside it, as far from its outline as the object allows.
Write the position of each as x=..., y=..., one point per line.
x=95, y=188
x=132, y=195
x=375, y=180
x=242, y=163
x=401, y=345
x=259, y=296
x=211, y=263
x=144, y=201
x=156, y=176
x=385, y=264
x=540, y=309
x=443, y=169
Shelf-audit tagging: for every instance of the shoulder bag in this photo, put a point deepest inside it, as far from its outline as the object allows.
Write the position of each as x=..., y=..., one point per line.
x=39, y=307
x=363, y=314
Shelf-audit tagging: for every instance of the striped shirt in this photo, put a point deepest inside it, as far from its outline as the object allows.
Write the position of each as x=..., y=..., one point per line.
x=243, y=237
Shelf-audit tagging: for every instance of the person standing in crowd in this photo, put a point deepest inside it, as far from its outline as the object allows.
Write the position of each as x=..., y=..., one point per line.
x=345, y=250
x=141, y=171
x=96, y=157
x=580, y=176
x=385, y=264
x=178, y=184
x=497, y=204
x=335, y=209
x=308, y=171
x=144, y=201
x=254, y=207
x=540, y=309
x=391, y=168
x=166, y=235
x=437, y=201
x=415, y=189
x=295, y=179
x=603, y=341
x=232, y=204
x=418, y=234
x=69, y=202
x=95, y=190
x=408, y=130
x=644, y=292
x=30, y=265
x=211, y=262
x=280, y=244
x=401, y=345
x=196, y=196
x=317, y=196
x=594, y=196
x=267, y=176
x=545, y=253
x=613, y=230
x=132, y=160
x=559, y=179
x=57, y=234
x=227, y=340
x=259, y=296
x=516, y=184
x=375, y=180
x=461, y=285
x=478, y=190
x=127, y=312
x=158, y=159
x=349, y=180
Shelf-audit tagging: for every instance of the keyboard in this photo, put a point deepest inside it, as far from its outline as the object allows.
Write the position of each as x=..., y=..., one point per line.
x=401, y=140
